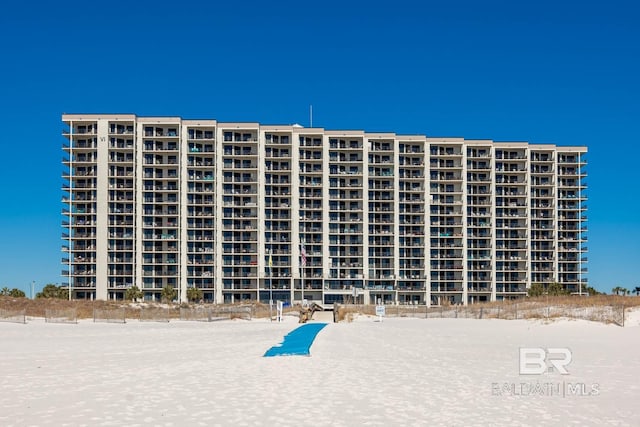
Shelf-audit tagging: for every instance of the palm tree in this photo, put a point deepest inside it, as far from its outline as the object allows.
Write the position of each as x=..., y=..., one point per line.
x=637, y=290
x=556, y=289
x=536, y=290
x=17, y=293
x=168, y=294
x=617, y=290
x=194, y=294
x=592, y=291
x=133, y=293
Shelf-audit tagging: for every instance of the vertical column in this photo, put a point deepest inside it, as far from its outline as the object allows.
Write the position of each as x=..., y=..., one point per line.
x=528, y=229
x=183, y=149
x=102, y=210
x=493, y=223
x=465, y=203
x=218, y=237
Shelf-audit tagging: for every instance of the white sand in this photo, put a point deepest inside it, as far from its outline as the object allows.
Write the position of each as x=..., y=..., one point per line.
x=399, y=372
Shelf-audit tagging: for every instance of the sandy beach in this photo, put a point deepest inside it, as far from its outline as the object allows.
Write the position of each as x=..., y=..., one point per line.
x=446, y=372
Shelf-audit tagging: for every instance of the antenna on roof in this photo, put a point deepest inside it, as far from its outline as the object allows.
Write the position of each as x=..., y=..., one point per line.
x=310, y=115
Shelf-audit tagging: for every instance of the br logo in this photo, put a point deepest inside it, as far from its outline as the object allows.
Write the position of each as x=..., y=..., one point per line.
x=538, y=360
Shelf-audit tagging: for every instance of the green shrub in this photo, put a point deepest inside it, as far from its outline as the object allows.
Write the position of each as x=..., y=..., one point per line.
x=194, y=294
x=168, y=294
x=53, y=291
x=536, y=290
x=133, y=293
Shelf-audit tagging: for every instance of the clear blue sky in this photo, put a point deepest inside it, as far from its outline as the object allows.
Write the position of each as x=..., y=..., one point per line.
x=541, y=71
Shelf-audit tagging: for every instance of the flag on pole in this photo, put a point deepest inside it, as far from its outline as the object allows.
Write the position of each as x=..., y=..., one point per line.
x=303, y=255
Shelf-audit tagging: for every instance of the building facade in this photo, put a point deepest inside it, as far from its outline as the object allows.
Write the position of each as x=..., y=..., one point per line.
x=245, y=211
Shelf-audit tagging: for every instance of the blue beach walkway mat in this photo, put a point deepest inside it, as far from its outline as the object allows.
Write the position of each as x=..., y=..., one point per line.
x=297, y=342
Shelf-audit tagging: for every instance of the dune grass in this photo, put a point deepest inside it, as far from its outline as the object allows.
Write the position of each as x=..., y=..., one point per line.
x=601, y=308
x=85, y=308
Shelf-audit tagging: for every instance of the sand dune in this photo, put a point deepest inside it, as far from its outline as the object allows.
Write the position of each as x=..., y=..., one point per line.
x=398, y=372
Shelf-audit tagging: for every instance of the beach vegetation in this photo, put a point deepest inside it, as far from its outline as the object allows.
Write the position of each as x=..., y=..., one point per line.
x=556, y=289
x=552, y=289
x=15, y=292
x=168, y=294
x=536, y=290
x=53, y=291
x=194, y=294
x=591, y=291
x=133, y=293
x=619, y=290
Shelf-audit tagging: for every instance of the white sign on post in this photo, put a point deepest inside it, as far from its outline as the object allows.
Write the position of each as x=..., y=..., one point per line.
x=380, y=311
x=280, y=307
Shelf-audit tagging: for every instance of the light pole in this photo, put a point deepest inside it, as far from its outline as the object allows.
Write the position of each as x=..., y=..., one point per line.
x=33, y=284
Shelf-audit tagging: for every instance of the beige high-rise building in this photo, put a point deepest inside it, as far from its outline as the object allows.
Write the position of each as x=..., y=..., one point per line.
x=245, y=211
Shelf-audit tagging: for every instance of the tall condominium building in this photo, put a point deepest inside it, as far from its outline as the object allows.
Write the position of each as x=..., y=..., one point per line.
x=245, y=211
